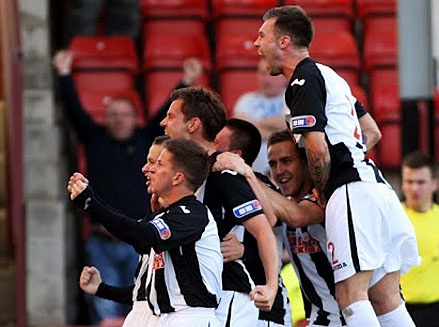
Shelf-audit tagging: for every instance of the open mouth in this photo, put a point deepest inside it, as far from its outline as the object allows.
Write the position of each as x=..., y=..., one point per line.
x=283, y=180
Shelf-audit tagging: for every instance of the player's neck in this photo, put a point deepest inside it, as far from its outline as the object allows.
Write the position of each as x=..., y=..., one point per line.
x=175, y=195
x=293, y=60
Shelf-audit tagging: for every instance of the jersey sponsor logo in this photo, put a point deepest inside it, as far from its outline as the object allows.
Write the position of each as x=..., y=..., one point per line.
x=303, y=243
x=303, y=121
x=185, y=210
x=299, y=82
x=87, y=203
x=162, y=227
x=158, y=262
x=247, y=208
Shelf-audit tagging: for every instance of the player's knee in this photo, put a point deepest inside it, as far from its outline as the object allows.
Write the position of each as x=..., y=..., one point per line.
x=348, y=293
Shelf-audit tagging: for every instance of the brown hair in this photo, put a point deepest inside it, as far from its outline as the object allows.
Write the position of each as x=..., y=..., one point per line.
x=418, y=160
x=294, y=22
x=191, y=159
x=204, y=104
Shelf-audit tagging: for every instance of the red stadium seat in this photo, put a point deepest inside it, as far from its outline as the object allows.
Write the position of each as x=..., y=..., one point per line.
x=360, y=94
x=324, y=24
x=159, y=84
x=388, y=116
x=375, y=7
x=173, y=8
x=235, y=39
x=379, y=79
x=95, y=103
x=166, y=27
x=163, y=51
x=253, y=8
x=351, y=76
x=104, y=62
x=104, y=53
x=235, y=83
x=325, y=7
x=336, y=49
x=380, y=42
x=103, y=80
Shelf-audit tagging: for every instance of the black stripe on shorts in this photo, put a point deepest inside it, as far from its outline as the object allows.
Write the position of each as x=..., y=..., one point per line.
x=352, y=241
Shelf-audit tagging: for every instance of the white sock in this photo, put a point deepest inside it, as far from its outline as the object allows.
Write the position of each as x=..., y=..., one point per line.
x=360, y=314
x=398, y=317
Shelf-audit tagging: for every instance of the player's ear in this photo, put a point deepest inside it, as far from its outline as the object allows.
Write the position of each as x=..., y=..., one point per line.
x=194, y=124
x=284, y=41
x=178, y=178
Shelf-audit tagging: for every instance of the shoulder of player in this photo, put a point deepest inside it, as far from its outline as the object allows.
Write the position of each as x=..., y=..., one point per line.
x=189, y=207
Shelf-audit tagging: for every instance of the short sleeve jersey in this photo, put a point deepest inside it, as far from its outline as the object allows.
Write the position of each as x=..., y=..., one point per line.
x=231, y=200
x=317, y=99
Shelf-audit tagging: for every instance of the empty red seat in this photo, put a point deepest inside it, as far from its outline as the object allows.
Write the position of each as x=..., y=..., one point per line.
x=325, y=7
x=159, y=84
x=387, y=113
x=360, y=94
x=104, y=62
x=104, y=53
x=326, y=24
x=103, y=80
x=169, y=51
x=233, y=84
x=254, y=8
x=167, y=27
x=375, y=7
x=96, y=103
x=380, y=42
x=173, y=8
x=336, y=49
x=379, y=79
x=235, y=38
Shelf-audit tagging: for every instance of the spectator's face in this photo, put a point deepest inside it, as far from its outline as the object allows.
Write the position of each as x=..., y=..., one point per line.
x=222, y=140
x=162, y=174
x=269, y=85
x=267, y=46
x=174, y=123
x=120, y=120
x=418, y=187
x=287, y=168
x=151, y=159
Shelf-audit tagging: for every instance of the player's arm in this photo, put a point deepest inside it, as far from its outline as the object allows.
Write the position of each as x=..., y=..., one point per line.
x=319, y=161
x=232, y=161
x=370, y=131
x=264, y=295
x=90, y=282
x=289, y=211
x=139, y=234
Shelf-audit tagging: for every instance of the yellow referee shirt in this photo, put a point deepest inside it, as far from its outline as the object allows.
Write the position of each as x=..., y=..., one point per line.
x=421, y=284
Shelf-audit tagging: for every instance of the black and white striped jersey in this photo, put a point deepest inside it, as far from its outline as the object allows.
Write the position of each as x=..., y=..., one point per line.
x=181, y=261
x=307, y=249
x=231, y=201
x=317, y=99
x=184, y=266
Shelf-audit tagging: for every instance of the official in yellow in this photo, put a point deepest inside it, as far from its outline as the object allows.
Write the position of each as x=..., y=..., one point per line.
x=420, y=285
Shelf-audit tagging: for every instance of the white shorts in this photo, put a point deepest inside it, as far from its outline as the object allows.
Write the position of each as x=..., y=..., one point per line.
x=141, y=316
x=367, y=229
x=236, y=309
x=190, y=317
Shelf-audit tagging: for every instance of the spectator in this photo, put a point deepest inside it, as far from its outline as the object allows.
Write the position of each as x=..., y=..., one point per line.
x=420, y=285
x=121, y=17
x=263, y=108
x=115, y=153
